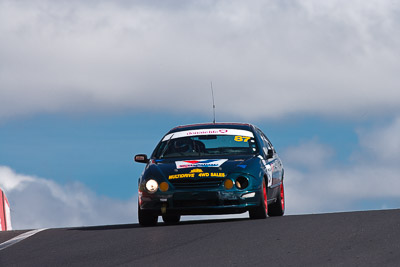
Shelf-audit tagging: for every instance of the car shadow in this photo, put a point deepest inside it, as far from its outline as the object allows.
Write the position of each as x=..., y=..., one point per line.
x=159, y=224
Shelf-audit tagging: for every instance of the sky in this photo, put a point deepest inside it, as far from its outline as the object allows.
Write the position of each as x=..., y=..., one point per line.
x=86, y=85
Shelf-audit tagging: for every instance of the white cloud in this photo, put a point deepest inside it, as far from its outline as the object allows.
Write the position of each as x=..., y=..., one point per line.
x=266, y=58
x=309, y=154
x=38, y=203
x=366, y=178
x=383, y=142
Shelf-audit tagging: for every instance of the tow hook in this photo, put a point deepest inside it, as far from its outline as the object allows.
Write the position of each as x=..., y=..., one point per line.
x=164, y=208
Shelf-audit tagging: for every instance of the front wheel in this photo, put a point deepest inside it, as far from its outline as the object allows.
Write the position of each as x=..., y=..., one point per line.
x=261, y=211
x=278, y=208
x=146, y=218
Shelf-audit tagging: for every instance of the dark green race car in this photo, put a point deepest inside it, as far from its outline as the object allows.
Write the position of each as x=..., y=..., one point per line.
x=213, y=168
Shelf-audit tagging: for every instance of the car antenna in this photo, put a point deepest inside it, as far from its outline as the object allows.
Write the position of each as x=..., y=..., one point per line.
x=212, y=94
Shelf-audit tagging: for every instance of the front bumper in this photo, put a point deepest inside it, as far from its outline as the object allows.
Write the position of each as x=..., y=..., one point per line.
x=202, y=202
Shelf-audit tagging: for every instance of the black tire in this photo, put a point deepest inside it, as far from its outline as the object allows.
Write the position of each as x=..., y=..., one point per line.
x=146, y=218
x=261, y=211
x=278, y=208
x=171, y=218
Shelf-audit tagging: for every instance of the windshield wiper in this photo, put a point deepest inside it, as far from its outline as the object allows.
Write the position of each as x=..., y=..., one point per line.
x=194, y=146
x=166, y=146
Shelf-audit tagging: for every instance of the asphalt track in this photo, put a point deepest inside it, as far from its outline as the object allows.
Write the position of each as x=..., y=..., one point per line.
x=367, y=238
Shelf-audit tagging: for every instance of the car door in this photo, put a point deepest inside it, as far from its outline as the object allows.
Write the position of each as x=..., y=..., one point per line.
x=272, y=162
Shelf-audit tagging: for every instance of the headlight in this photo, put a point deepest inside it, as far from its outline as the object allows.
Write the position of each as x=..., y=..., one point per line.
x=242, y=182
x=151, y=186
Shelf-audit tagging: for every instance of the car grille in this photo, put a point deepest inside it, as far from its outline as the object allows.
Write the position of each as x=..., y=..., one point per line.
x=196, y=184
x=195, y=203
x=195, y=199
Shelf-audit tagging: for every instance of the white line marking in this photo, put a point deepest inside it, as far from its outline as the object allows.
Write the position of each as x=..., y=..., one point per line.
x=19, y=238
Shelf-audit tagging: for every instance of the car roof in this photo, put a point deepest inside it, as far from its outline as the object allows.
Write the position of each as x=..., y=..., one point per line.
x=228, y=125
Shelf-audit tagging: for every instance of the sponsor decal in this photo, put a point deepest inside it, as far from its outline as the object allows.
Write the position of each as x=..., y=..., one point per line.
x=268, y=168
x=197, y=175
x=236, y=132
x=182, y=175
x=202, y=163
x=212, y=174
x=209, y=131
x=269, y=174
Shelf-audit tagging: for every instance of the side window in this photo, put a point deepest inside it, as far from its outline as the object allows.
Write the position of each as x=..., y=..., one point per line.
x=269, y=144
x=266, y=143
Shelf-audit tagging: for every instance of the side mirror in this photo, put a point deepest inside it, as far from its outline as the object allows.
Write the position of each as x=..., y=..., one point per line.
x=142, y=158
x=270, y=153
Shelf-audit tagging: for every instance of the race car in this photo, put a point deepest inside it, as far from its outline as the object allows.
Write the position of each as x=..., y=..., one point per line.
x=5, y=217
x=211, y=168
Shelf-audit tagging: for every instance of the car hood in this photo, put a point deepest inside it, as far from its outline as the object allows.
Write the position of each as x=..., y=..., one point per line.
x=204, y=167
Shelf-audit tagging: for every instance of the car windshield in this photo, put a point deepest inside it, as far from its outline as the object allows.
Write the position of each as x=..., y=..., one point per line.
x=200, y=143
